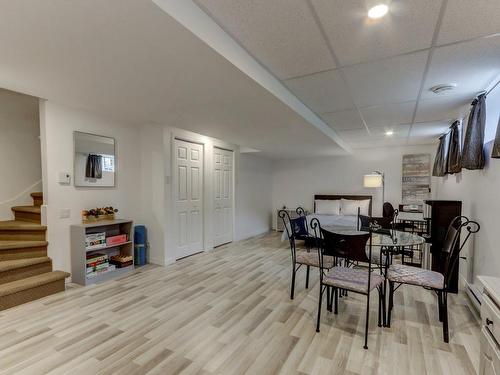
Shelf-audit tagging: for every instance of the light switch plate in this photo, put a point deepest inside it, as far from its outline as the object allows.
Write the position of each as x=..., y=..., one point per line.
x=64, y=213
x=64, y=178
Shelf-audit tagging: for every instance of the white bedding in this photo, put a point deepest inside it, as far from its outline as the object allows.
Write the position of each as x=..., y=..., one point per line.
x=344, y=221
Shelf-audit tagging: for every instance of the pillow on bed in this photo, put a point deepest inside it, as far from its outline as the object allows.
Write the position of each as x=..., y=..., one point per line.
x=327, y=207
x=350, y=206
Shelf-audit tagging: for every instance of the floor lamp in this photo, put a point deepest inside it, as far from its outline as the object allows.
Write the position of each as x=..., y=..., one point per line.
x=375, y=180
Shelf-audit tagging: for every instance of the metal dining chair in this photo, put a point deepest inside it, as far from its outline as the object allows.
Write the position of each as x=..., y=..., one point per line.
x=361, y=280
x=399, y=274
x=297, y=229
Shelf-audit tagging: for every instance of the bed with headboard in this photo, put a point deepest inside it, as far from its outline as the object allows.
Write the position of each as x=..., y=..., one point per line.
x=365, y=201
x=339, y=210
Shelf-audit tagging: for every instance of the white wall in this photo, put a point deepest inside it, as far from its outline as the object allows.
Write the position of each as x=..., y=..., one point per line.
x=57, y=126
x=20, y=165
x=253, y=196
x=479, y=190
x=143, y=182
x=296, y=182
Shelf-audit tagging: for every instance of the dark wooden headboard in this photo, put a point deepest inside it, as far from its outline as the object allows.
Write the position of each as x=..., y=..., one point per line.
x=330, y=197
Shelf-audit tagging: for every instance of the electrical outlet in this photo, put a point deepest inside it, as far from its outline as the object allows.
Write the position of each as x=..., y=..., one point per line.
x=64, y=213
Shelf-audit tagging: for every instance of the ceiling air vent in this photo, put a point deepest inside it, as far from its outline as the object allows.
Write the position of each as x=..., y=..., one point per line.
x=439, y=89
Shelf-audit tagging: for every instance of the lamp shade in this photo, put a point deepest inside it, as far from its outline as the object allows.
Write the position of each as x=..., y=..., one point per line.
x=373, y=180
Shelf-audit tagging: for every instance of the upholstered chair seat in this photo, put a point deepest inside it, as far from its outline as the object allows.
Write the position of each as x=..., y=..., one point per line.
x=312, y=259
x=415, y=276
x=355, y=279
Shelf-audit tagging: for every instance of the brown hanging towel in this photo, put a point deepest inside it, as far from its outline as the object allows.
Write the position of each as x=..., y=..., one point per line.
x=473, y=153
x=440, y=162
x=495, y=153
x=454, y=153
x=93, y=168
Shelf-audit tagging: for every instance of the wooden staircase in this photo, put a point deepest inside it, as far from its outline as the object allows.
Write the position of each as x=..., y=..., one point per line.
x=25, y=270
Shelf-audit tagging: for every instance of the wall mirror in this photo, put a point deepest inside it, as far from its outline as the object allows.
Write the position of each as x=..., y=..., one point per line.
x=94, y=160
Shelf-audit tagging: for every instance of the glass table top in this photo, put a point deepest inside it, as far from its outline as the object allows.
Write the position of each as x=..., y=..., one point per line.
x=392, y=238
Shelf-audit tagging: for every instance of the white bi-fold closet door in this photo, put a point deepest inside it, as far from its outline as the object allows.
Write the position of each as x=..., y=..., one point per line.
x=223, y=196
x=188, y=197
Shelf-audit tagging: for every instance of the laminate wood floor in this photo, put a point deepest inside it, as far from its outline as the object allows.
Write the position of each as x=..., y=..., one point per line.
x=229, y=312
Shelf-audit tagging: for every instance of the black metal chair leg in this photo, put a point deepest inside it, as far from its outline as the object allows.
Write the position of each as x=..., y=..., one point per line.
x=307, y=277
x=293, y=282
x=445, y=317
x=336, y=297
x=319, y=306
x=391, y=302
x=367, y=319
x=379, y=307
x=440, y=305
x=328, y=298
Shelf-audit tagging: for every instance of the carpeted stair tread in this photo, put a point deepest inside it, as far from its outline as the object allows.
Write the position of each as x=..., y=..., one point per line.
x=32, y=282
x=8, y=265
x=20, y=225
x=10, y=245
x=27, y=209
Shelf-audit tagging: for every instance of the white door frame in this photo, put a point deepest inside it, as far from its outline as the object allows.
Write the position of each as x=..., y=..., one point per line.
x=208, y=201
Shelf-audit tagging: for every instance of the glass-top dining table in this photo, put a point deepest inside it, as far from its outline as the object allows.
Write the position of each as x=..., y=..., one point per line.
x=386, y=238
x=389, y=242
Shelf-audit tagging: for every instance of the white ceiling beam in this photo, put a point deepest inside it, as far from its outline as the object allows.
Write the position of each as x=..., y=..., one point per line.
x=188, y=14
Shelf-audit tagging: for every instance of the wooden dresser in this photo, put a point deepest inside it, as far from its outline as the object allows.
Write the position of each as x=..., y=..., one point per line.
x=489, y=362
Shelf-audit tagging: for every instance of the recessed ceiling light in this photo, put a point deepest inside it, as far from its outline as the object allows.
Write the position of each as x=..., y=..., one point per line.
x=378, y=11
x=389, y=133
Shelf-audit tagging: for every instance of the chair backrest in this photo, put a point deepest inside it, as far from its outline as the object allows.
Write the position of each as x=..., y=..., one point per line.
x=294, y=227
x=453, y=245
x=302, y=213
x=350, y=247
x=366, y=222
x=388, y=210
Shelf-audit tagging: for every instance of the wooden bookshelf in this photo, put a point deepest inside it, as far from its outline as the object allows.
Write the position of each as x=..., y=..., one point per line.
x=79, y=252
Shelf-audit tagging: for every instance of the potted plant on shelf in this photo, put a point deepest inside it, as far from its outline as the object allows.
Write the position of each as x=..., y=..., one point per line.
x=99, y=213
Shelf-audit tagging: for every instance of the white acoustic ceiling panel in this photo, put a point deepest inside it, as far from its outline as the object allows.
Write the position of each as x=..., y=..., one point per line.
x=443, y=107
x=322, y=92
x=471, y=65
x=407, y=27
x=466, y=19
x=282, y=34
x=393, y=80
x=429, y=130
x=389, y=114
x=344, y=120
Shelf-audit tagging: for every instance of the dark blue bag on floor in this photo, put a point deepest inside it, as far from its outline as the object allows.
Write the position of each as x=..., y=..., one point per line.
x=140, y=245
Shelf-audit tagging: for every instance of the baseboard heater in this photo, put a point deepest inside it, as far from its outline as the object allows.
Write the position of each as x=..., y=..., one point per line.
x=475, y=295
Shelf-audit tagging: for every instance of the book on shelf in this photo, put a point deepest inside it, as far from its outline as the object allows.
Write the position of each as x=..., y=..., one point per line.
x=98, y=272
x=95, y=241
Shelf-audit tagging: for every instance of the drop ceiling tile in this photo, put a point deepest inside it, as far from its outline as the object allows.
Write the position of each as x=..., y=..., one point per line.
x=282, y=34
x=393, y=80
x=447, y=107
x=354, y=135
x=388, y=115
x=361, y=138
x=392, y=142
x=471, y=65
x=429, y=130
x=399, y=131
x=344, y=120
x=466, y=19
x=355, y=38
x=322, y=92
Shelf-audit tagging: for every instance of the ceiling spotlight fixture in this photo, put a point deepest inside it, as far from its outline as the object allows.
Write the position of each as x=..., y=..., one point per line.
x=378, y=11
x=389, y=133
x=439, y=89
